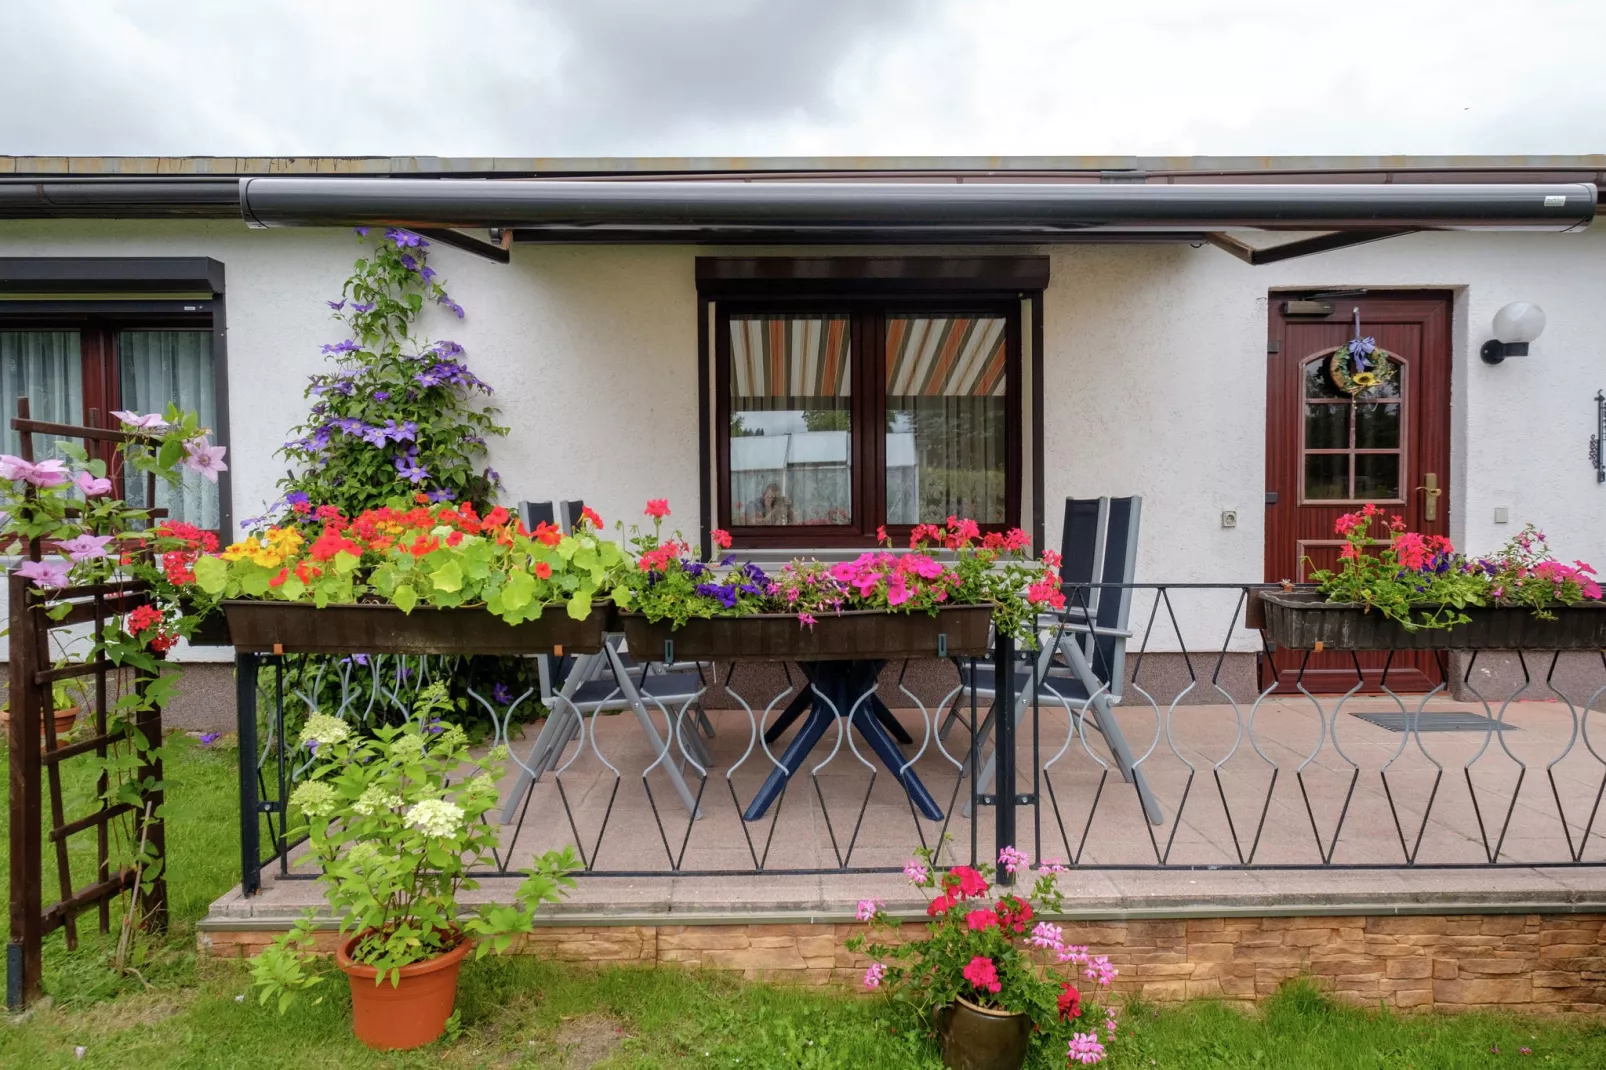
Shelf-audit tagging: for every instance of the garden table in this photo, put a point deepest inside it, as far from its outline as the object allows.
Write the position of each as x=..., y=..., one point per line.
x=848, y=690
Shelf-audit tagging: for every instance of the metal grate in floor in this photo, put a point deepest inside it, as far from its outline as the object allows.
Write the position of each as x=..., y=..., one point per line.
x=1433, y=721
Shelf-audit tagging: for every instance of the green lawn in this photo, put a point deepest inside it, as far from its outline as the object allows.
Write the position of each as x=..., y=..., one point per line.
x=518, y=1012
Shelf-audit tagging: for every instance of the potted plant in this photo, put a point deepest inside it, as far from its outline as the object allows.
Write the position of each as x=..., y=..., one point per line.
x=1403, y=590
x=413, y=578
x=394, y=819
x=984, y=971
x=64, y=706
x=879, y=605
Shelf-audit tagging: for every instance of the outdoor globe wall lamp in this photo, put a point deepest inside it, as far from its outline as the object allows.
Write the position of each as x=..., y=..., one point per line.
x=1514, y=327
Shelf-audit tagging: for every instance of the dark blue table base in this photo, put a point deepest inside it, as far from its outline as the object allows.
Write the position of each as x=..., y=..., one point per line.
x=842, y=683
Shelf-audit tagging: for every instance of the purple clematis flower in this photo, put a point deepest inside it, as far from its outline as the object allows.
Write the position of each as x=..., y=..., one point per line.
x=362, y=232
x=362, y=306
x=409, y=469
x=451, y=306
x=440, y=494
x=45, y=573
x=381, y=395
x=502, y=695
x=336, y=305
x=297, y=497
x=209, y=738
x=374, y=436
x=348, y=346
x=205, y=459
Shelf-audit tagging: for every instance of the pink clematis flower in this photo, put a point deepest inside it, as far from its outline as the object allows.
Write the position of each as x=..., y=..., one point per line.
x=205, y=459
x=45, y=573
x=86, y=547
x=92, y=485
x=51, y=473
x=151, y=422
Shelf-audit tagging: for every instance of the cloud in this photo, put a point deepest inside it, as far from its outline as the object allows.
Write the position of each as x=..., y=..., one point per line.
x=800, y=77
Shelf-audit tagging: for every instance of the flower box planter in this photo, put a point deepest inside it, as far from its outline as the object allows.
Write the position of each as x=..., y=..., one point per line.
x=303, y=628
x=1302, y=620
x=873, y=634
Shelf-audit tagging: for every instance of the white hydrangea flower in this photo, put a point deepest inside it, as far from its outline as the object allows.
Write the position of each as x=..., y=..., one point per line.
x=375, y=799
x=364, y=854
x=453, y=738
x=314, y=798
x=498, y=753
x=436, y=817
x=322, y=728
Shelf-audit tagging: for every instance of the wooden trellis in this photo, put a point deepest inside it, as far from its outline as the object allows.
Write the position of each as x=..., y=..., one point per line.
x=37, y=756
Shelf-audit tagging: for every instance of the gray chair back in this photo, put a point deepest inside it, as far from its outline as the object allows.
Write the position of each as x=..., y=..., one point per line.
x=533, y=513
x=1101, y=546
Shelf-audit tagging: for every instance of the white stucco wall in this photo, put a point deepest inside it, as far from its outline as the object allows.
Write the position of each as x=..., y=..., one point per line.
x=1154, y=371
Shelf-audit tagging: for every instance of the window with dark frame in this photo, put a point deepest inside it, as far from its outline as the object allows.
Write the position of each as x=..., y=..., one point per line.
x=77, y=368
x=851, y=394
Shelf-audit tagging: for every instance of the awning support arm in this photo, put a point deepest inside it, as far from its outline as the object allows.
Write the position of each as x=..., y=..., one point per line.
x=1321, y=243
x=498, y=253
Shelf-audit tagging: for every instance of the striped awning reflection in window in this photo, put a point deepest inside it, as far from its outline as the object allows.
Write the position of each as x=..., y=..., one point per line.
x=945, y=356
x=789, y=356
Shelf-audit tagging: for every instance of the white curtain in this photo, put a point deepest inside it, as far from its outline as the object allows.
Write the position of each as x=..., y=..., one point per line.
x=44, y=367
x=160, y=368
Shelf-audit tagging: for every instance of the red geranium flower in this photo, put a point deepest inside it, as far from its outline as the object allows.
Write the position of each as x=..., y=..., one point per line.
x=1070, y=1002
x=981, y=919
x=657, y=508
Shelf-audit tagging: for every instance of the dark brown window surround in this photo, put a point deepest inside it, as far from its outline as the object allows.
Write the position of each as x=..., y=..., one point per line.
x=868, y=289
x=102, y=296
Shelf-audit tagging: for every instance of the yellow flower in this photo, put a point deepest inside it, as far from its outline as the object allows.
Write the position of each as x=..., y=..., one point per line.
x=1364, y=379
x=242, y=549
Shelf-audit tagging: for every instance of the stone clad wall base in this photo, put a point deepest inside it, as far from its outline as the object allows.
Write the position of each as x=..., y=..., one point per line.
x=1540, y=963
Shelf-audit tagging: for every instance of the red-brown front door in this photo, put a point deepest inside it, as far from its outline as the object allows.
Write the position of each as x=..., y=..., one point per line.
x=1329, y=451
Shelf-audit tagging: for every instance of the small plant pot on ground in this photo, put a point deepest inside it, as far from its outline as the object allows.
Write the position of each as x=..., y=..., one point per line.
x=409, y=1013
x=979, y=1038
x=65, y=720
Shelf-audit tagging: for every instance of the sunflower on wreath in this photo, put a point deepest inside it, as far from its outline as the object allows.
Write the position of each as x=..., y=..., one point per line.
x=1360, y=365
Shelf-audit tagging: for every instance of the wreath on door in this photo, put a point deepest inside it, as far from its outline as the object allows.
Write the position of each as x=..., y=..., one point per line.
x=1359, y=365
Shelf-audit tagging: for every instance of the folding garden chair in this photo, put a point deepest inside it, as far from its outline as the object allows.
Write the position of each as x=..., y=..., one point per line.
x=598, y=683
x=1081, y=655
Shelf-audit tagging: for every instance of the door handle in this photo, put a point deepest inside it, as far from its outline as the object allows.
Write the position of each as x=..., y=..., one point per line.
x=1431, y=492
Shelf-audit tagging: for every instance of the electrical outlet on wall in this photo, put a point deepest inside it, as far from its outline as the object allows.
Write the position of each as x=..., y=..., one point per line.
x=1229, y=518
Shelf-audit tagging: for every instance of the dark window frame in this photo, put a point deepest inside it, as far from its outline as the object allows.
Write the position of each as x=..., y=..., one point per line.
x=869, y=289
x=99, y=321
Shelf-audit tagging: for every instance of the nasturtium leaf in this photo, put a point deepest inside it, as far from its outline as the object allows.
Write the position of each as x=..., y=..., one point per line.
x=449, y=577
x=405, y=598
x=580, y=605
x=292, y=589
x=254, y=582
x=211, y=574
x=345, y=561
x=518, y=591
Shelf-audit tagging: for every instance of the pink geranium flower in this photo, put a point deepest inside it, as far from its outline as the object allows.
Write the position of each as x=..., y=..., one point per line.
x=872, y=976
x=983, y=974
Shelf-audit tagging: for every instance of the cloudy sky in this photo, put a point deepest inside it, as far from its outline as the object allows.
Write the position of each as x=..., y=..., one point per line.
x=801, y=77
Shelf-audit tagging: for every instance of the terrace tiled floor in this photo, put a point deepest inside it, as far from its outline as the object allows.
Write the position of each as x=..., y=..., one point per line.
x=814, y=830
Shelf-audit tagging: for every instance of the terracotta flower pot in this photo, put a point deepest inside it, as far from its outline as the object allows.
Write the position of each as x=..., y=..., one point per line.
x=410, y=1013
x=65, y=719
x=980, y=1038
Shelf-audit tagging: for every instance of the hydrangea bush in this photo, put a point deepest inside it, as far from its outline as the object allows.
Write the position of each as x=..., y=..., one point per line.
x=396, y=820
x=995, y=951
x=396, y=415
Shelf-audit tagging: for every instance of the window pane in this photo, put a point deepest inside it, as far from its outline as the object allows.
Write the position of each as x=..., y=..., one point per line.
x=1318, y=384
x=1327, y=427
x=791, y=437
x=161, y=368
x=945, y=418
x=44, y=367
x=1377, y=427
x=1377, y=475
x=1326, y=476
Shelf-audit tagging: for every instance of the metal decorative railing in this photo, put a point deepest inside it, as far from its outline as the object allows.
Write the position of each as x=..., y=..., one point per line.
x=1153, y=729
